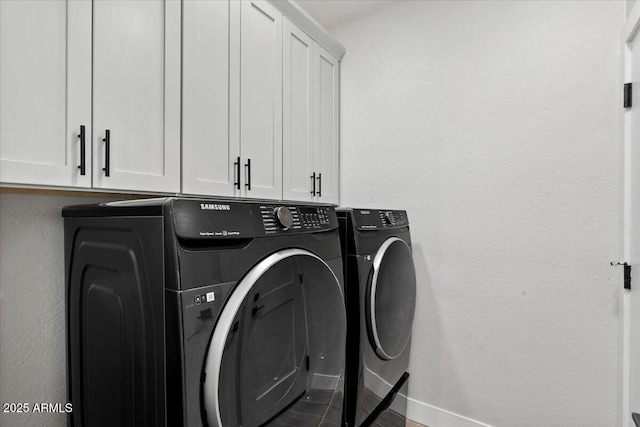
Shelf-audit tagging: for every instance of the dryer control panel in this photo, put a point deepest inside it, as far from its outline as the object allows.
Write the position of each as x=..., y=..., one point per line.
x=221, y=219
x=289, y=219
x=212, y=219
x=375, y=219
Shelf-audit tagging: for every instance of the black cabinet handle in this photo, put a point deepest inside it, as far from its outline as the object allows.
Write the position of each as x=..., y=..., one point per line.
x=313, y=181
x=83, y=164
x=248, y=169
x=107, y=151
x=237, y=165
x=319, y=185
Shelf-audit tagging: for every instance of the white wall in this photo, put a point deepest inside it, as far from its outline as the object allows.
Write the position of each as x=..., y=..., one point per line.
x=32, y=307
x=497, y=126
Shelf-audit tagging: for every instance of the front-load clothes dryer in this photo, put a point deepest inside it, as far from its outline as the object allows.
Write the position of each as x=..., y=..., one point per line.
x=380, y=296
x=184, y=312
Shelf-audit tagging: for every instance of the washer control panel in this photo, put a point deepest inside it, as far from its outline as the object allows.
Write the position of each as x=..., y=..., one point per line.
x=287, y=219
x=374, y=219
x=316, y=218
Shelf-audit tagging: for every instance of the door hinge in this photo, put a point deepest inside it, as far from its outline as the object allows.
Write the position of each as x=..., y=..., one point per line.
x=628, y=89
x=627, y=273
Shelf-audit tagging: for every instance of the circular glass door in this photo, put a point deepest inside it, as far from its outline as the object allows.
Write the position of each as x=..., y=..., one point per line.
x=391, y=299
x=276, y=356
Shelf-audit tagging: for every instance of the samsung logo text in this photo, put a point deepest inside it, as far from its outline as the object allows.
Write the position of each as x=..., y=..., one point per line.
x=214, y=207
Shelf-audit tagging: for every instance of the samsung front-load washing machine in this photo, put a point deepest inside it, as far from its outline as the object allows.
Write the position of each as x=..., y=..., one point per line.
x=380, y=296
x=184, y=312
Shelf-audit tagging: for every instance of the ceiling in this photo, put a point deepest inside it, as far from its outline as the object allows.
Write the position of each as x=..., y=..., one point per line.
x=330, y=13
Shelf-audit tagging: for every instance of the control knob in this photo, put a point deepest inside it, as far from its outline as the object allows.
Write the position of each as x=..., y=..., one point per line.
x=284, y=218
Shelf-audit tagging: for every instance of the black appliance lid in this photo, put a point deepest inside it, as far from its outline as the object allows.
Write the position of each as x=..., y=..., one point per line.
x=376, y=219
x=138, y=207
x=199, y=219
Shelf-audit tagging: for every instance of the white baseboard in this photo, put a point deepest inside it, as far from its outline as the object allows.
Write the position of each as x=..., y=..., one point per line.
x=417, y=411
x=433, y=416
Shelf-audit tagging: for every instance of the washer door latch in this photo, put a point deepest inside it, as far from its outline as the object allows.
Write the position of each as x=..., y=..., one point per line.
x=627, y=272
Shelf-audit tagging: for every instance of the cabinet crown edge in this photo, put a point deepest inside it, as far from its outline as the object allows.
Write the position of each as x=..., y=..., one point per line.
x=297, y=15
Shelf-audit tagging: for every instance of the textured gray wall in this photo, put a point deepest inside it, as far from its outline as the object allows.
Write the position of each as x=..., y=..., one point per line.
x=32, y=307
x=497, y=126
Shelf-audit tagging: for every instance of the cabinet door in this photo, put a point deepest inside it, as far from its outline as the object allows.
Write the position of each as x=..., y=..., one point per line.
x=45, y=87
x=136, y=94
x=297, y=144
x=209, y=155
x=261, y=99
x=327, y=125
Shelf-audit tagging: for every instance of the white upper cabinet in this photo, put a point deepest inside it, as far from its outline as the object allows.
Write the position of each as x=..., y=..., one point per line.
x=45, y=92
x=136, y=95
x=327, y=125
x=261, y=99
x=204, y=97
x=209, y=155
x=232, y=99
x=297, y=153
x=311, y=120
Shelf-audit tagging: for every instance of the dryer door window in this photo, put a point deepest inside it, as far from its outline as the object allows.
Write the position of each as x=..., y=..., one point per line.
x=391, y=299
x=276, y=355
